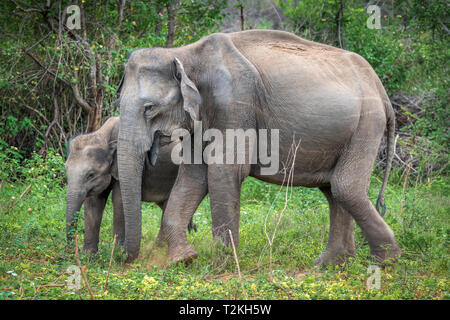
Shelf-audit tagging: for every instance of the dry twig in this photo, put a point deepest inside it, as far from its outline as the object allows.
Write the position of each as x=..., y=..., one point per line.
x=110, y=263
x=290, y=179
x=237, y=264
x=77, y=259
x=15, y=201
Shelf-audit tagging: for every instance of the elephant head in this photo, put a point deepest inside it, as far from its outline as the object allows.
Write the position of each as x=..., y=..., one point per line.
x=157, y=97
x=90, y=166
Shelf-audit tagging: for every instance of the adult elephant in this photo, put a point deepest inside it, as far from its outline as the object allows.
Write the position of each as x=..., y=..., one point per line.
x=329, y=99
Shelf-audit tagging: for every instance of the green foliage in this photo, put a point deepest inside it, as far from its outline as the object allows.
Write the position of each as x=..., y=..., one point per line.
x=434, y=122
x=383, y=49
x=198, y=19
x=46, y=172
x=409, y=53
x=10, y=159
x=315, y=20
x=35, y=51
x=33, y=253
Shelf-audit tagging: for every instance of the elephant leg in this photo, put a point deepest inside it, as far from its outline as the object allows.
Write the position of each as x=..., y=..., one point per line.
x=350, y=183
x=93, y=213
x=187, y=193
x=160, y=239
x=118, y=219
x=224, y=183
x=341, y=243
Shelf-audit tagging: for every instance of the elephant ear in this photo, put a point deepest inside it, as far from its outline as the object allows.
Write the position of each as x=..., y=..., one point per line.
x=113, y=153
x=191, y=96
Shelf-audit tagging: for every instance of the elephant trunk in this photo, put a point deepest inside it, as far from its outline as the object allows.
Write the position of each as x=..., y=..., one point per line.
x=130, y=163
x=74, y=202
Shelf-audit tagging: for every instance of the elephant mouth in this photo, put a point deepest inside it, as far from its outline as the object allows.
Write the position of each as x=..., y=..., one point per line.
x=165, y=139
x=160, y=139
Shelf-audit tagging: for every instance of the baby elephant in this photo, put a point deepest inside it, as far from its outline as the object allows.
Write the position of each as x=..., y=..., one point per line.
x=91, y=169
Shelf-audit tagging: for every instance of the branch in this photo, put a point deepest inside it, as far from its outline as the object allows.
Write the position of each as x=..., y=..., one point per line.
x=15, y=201
x=110, y=264
x=237, y=264
x=79, y=99
x=74, y=86
x=443, y=26
x=77, y=259
x=121, y=8
x=46, y=69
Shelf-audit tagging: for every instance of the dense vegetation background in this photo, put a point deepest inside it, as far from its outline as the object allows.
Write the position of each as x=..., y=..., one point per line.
x=55, y=82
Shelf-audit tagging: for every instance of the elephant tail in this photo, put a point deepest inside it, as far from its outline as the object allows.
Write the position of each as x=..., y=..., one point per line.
x=390, y=127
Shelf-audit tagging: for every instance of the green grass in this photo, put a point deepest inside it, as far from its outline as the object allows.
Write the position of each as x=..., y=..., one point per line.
x=34, y=260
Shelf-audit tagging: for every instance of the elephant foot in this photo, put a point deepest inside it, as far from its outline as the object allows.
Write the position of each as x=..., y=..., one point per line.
x=387, y=253
x=89, y=250
x=185, y=254
x=334, y=256
x=120, y=244
x=160, y=241
x=130, y=259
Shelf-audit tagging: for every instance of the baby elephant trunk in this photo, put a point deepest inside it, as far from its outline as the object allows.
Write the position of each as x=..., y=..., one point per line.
x=74, y=202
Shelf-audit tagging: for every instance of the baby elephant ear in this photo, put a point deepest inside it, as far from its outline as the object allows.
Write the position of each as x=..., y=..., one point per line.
x=112, y=151
x=191, y=96
x=112, y=146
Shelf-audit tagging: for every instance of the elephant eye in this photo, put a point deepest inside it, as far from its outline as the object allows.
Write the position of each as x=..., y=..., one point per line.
x=90, y=176
x=148, y=106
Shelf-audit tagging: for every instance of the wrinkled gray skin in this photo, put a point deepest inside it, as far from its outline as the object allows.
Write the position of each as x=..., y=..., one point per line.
x=92, y=174
x=329, y=99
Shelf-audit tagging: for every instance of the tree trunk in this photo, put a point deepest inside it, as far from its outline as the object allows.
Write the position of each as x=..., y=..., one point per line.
x=94, y=119
x=242, y=16
x=170, y=24
x=339, y=22
x=158, y=25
